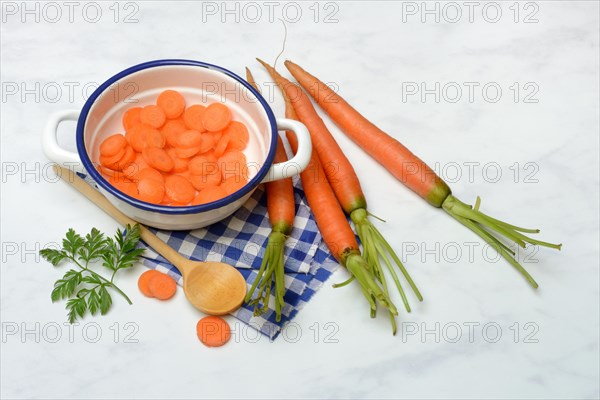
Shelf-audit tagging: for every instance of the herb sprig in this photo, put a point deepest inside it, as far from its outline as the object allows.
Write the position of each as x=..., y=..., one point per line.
x=85, y=289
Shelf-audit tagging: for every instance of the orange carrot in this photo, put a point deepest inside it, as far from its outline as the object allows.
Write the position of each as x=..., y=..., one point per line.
x=413, y=172
x=209, y=194
x=112, y=144
x=192, y=116
x=150, y=190
x=144, y=280
x=162, y=286
x=131, y=117
x=158, y=158
x=153, y=115
x=213, y=331
x=346, y=186
x=172, y=103
x=238, y=135
x=216, y=117
x=179, y=189
x=171, y=130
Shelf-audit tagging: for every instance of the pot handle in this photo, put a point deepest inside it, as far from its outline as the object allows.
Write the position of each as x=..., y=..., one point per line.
x=299, y=162
x=50, y=142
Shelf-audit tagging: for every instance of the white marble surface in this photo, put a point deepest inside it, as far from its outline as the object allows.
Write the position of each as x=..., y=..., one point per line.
x=372, y=55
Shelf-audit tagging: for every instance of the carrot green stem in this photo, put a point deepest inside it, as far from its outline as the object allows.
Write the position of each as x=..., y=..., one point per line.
x=376, y=247
x=271, y=272
x=486, y=226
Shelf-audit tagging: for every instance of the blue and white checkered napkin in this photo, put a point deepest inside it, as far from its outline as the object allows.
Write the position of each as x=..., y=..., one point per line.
x=241, y=239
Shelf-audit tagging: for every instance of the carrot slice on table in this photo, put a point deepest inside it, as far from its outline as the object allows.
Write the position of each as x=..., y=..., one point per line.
x=213, y=331
x=144, y=280
x=131, y=117
x=209, y=194
x=162, y=286
x=171, y=129
x=150, y=190
x=238, y=135
x=216, y=117
x=192, y=117
x=179, y=189
x=172, y=103
x=153, y=115
x=189, y=138
x=112, y=144
x=158, y=158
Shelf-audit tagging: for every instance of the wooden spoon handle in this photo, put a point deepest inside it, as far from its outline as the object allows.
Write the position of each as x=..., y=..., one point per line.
x=97, y=198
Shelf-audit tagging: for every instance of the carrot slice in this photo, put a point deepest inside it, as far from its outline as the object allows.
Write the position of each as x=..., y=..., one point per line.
x=162, y=286
x=179, y=189
x=131, y=117
x=172, y=103
x=186, y=152
x=189, y=138
x=233, y=184
x=153, y=115
x=133, y=169
x=154, y=138
x=201, y=165
x=150, y=190
x=179, y=164
x=233, y=163
x=109, y=161
x=171, y=129
x=221, y=146
x=127, y=159
x=158, y=158
x=112, y=144
x=213, y=331
x=216, y=117
x=210, y=156
x=209, y=194
x=238, y=135
x=208, y=142
x=192, y=117
x=144, y=280
x=124, y=185
x=201, y=182
x=137, y=136
x=151, y=173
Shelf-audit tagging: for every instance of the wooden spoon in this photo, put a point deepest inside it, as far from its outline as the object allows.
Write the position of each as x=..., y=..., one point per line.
x=215, y=288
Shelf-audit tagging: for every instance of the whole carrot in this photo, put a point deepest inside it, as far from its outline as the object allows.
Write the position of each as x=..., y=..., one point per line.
x=281, y=207
x=335, y=229
x=413, y=172
x=345, y=184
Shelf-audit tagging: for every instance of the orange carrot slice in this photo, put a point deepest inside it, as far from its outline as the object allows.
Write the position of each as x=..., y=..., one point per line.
x=216, y=117
x=201, y=182
x=137, y=136
x=171, y=129
x=209, y=194
x=172, y=103
x=221, y=146
x=179, y=164
x=109, y=161
x=144, y=281
x=112, y=144
x=238, y=135
x=233, y=184
x=192, y=117
x=233, y=163
x=189, y=138
x=162, y=286
x=131, y=117
x=153, y=115
x=158, y=158
x=151, y=173
x=213, y=331
x=150, y=190
x=179, y=189
x=202, y=165
x=186, y=152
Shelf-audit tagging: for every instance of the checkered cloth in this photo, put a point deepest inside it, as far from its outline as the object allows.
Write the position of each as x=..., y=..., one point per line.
x=241, y=239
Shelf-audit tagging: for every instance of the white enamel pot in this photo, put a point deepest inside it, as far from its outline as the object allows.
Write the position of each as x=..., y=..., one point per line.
x=201, y=83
